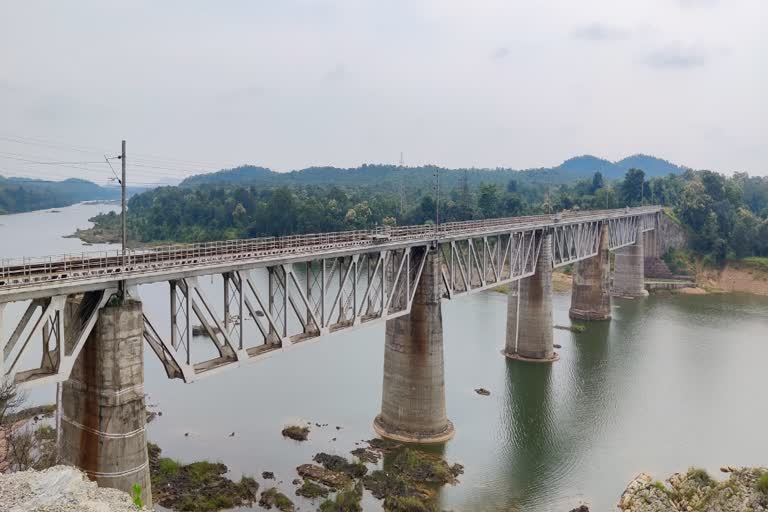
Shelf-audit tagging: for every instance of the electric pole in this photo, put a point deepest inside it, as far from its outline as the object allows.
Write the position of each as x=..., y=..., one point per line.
x=124, y=217
x=437, y=195
x=403, y=206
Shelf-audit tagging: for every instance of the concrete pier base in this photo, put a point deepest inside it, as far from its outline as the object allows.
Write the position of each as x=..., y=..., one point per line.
x=591, y=294
x=629, y=270
x=413, y=396
x=529, y=313
x=103, y=412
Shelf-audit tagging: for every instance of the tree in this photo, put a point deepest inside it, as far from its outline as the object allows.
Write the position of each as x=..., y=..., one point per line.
x=597, y=182
x=488, y=200
x=10, y=399
x=632, y=187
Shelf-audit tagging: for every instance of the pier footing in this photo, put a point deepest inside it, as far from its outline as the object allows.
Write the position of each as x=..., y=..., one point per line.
x=103, y=412
x=413, y=396
x=591, y=294
x=529, y=313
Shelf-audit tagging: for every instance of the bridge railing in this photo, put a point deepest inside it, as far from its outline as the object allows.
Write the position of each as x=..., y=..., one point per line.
x=13, y=269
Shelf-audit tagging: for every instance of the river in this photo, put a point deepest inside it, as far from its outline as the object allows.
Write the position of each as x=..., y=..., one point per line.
x=671, y=382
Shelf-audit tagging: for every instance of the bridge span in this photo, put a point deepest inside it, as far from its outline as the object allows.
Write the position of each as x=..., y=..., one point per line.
x=83, y=313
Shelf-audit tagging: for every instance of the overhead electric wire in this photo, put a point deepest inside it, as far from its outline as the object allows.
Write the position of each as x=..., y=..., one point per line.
x=175, y=168
x=134, y=156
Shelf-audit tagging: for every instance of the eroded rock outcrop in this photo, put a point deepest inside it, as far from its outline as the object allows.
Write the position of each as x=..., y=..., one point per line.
x=746, y=489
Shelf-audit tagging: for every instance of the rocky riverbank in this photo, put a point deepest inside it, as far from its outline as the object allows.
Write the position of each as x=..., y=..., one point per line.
x=59, y=489
x=746, y=489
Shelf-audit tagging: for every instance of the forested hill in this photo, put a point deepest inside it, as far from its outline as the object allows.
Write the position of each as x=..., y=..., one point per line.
x=24, y=194
x=378, y=175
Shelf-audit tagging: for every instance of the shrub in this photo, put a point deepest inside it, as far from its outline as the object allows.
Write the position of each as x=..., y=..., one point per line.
x=762, y=483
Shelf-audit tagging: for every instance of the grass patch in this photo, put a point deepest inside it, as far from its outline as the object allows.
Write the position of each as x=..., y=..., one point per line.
x=312, y=490
x=425, y=468
x=202, y=471
x=408, y=504
x=762, y=483
x=347, y=500
x=168, y=467
x=197, y=487
x=45, y=433
x=756, y=262
x=700, y=476
x=274, y=498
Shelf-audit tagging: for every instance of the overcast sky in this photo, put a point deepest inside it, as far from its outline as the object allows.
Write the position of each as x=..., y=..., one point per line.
x=292, y=83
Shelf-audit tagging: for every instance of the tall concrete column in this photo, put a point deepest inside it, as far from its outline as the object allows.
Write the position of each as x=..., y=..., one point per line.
x=413, y=396
x=590, y=294
x=529, y=313
x=102, y=403
x=629, y=269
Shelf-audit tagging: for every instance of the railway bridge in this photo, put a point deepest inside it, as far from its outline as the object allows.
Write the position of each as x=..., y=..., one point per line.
x=81, y=315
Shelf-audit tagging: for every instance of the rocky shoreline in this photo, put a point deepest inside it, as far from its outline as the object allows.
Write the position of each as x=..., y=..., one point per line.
x=746, y=489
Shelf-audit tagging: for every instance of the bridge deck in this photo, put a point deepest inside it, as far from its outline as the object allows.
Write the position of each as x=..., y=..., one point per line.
x=28, y=277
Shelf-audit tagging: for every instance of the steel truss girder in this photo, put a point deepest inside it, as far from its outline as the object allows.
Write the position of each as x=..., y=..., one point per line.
x=479, y=263
x=307, y=299
x=61, y=325
x=298, y=303
x=574, y=242
x=622, y=232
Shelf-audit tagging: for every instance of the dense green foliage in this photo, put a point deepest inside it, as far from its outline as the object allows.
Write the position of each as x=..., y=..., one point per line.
x=726, y=217
x=22, y=195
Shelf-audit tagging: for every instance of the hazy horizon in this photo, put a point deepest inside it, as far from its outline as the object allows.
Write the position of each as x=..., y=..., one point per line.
x=197, y=87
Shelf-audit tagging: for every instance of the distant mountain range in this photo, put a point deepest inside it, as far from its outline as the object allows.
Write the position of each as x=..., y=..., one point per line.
x=580, y=167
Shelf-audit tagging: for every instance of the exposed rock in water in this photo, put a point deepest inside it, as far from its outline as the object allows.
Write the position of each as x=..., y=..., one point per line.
x=383, y=445
x=324, y=476
x=390, y=483
x=274, y=498
x=745, y=489
x=341, y=465
x=197, y=487
x=409, y=482
x=267, y=475
x=580, y=508
x=426, y=468
x=296, y=433
x=312, y=490
x=482, y=391
x=366, y=455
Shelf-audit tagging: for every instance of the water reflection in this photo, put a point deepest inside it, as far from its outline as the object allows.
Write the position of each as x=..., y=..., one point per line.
x=531, y=429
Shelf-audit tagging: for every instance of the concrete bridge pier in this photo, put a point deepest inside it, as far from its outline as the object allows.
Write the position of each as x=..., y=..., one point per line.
x=629, y=269
x=590, y=294
x=413, y=396
x=102, y=404
x=529, y=313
